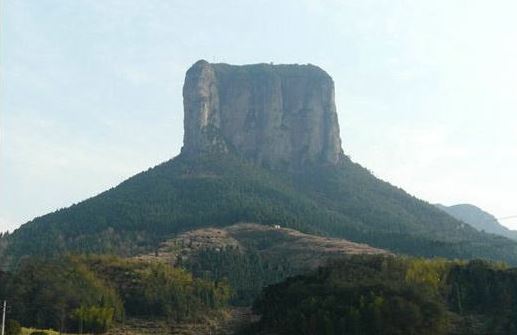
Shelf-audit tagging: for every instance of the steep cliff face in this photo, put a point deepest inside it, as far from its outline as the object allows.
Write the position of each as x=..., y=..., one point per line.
x=277, y=115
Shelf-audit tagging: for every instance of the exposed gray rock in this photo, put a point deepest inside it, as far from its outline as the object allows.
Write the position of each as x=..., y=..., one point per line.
x=282, y=116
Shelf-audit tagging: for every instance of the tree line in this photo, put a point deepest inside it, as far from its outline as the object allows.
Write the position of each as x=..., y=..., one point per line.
x=390, y=296
x=89, y=294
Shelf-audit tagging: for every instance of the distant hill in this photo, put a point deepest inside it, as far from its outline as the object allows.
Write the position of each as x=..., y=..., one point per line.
x=479, y=219
x=261, y=145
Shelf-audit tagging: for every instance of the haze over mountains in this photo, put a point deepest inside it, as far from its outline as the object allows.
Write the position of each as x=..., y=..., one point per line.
x=479, y=219
x=261, y=145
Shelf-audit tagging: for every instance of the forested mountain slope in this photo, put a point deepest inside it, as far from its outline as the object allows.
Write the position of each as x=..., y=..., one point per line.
x=189, y=192
x=261, y=145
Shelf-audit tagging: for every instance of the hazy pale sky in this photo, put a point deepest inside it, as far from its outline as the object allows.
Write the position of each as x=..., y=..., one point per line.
x=91, y=89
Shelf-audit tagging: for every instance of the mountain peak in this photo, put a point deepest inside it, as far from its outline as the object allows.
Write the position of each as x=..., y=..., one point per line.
x=479, y=219
x=276, y=115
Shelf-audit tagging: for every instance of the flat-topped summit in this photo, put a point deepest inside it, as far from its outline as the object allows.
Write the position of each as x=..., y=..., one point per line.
x=276, y=115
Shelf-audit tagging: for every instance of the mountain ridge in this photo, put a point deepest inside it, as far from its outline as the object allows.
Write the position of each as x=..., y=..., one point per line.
x=479, y=219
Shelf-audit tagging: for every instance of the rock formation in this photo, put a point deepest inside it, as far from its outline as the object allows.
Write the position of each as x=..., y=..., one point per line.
x=281, y=116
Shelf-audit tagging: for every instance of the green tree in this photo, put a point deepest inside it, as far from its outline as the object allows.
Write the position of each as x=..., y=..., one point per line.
x=12, y=327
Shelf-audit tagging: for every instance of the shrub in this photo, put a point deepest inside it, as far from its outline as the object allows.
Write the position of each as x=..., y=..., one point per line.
x=94, y=319
x=12, y=327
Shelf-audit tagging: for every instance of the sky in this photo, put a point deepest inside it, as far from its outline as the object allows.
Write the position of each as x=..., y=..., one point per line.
x=90, y=90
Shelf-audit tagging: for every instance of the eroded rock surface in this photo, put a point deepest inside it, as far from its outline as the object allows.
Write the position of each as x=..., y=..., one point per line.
x=276, y=115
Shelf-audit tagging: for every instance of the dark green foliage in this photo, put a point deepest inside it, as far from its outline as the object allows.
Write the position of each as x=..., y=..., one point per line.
x=3, y=246
x=190, y=192
x=159, y=290
x=245, y=271
x=386, y=295
x=87, y=294
x=354, y=296
x=93, y=319
x=3, y=282
x=12, y=327
x=481, y=288
x=45, y=294
x=375, y=212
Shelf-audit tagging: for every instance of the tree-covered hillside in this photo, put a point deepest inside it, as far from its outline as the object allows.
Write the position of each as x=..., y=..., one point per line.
x=251, y=256
x=219, y=190
x=90, y=294
x=391, y=296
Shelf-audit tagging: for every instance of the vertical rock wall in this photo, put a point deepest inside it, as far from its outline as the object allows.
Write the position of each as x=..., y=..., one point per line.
x=281, y=116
